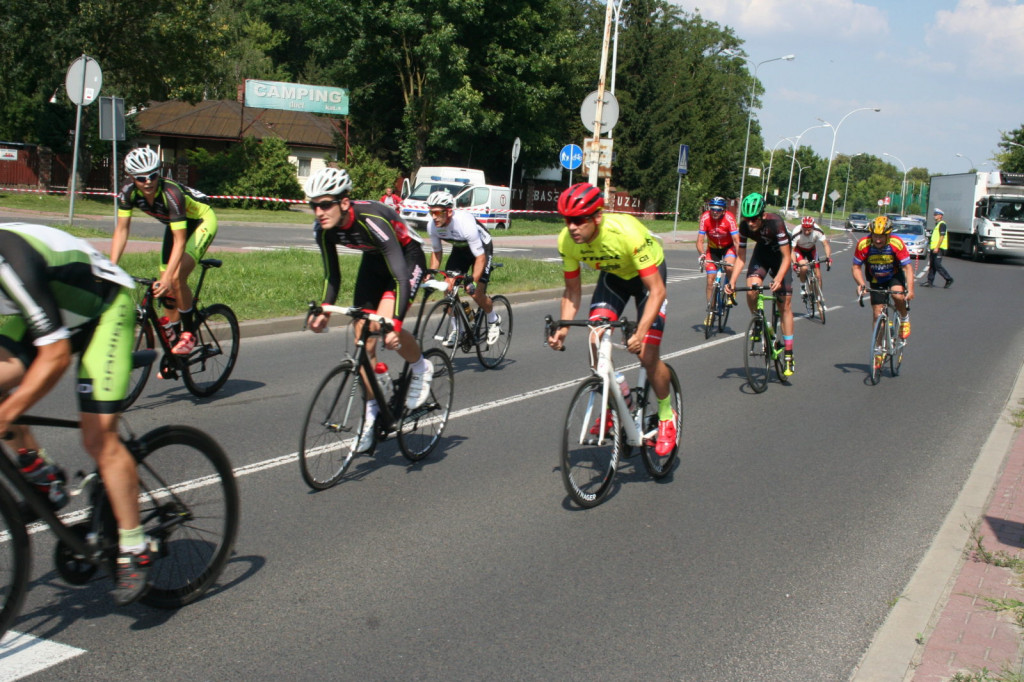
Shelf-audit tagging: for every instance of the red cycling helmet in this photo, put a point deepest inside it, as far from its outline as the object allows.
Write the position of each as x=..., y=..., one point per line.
x=808, y=221
x=582, y=199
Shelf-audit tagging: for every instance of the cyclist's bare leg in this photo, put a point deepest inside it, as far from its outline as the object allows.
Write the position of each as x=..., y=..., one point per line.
x=899, y=300
x=11, y=374
x=753, y=281
x=116, y=465
x=707, y=290
x=657, y=371
x=785, y=301
x=483, y=301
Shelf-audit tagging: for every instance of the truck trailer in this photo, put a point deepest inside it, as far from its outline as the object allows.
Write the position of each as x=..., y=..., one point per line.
x=984, y=212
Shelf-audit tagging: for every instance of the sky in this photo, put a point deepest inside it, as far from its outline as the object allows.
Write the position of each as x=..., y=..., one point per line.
x=948, y=75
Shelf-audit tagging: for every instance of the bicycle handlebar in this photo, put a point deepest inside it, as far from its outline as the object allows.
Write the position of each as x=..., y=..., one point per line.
x=356, y=313
x=551, y=325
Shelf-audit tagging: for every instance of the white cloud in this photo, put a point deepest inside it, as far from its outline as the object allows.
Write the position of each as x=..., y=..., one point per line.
x=833, y=18
x=987, y=31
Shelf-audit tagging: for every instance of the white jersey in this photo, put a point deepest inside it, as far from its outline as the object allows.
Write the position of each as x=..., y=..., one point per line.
x=807, y=241
x=461, y=231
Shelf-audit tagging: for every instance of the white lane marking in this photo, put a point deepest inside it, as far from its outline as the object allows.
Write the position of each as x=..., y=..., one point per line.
x=22, y=655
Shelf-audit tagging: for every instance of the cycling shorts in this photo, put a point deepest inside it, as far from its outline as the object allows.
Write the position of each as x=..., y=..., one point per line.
x=715, y=253
x=897, y=278
x=196, y=244
x=461, y=259
x=375, y=282
x=765, y=262
x=612, y=293
x=104, y=346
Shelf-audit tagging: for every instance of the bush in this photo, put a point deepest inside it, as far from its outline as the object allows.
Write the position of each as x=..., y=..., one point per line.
x=250, y=168
x=369, y=175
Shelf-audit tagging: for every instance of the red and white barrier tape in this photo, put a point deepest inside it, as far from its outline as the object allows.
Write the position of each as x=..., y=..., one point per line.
x=234, y=197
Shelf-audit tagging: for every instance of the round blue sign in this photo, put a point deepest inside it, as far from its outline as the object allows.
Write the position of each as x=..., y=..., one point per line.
x=571, y=156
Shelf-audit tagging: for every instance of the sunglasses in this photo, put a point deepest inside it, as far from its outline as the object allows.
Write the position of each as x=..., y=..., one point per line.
x=324, y=205
x=437, y=212
x=146, y=178
x=579, y=220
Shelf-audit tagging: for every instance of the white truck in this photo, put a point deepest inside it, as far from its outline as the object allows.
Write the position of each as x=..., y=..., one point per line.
x=984, y=212
x=489, y=204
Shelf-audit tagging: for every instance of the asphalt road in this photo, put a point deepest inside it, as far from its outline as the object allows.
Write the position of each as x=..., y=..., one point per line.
x=773, y=552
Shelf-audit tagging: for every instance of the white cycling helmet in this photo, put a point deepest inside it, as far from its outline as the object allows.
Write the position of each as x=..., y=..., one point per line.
x=141, y=160
x=441, y=199
x=333, y=181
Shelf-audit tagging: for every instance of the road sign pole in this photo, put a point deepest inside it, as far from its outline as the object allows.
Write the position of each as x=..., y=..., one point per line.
x=679, y=186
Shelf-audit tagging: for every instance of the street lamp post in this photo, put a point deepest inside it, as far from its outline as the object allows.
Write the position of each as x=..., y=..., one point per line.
x=903, y=187
x=849, y=169
x=771, y=158
x=964, y=156
x=750, y=114
x=799, y=177
x=796, y=148
x=832, y=151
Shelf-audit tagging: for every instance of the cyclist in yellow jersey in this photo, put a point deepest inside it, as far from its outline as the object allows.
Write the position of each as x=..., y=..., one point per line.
x=191, y=227
x=632, y=265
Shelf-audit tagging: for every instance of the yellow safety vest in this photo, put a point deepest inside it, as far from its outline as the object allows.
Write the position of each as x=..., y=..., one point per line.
x=937, y=241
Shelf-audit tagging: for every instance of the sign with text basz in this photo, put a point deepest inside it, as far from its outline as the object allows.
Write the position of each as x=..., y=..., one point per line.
x=312, y=99
x=684, y=159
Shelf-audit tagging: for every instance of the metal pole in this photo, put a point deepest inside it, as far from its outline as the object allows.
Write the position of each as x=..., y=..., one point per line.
x=599, y=109
x=74, y=158
x=750, y=115
x=679, y=185
x=849, y=169
x=796, y=148
x=832, y=151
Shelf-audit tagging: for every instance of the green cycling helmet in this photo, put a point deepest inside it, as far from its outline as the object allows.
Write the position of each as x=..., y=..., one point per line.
x=752, y=206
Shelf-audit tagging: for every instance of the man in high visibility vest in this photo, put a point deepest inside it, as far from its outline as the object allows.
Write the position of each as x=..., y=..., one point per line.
x=937, y=246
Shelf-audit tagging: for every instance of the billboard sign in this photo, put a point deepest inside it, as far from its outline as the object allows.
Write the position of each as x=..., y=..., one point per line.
x=312, y=99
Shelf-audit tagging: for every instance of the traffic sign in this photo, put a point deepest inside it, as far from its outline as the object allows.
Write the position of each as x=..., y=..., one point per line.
x=834, y=195
x=571, y=157
x=684, y=159
x=886, y=201
x=515, y=150
x=84, y=80
x=609, y=111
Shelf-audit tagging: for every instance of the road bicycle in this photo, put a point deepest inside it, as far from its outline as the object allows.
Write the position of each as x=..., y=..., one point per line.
x=763, y=346
x=886, y=344
x=814, y=300
x=717, y=313
x=452, y=324
x=205, y=369
x=334, y=419
x=189, y=507
x=602, y=428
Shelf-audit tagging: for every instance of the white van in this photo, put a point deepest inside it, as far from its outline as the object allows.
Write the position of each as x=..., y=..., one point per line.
x=489, y=203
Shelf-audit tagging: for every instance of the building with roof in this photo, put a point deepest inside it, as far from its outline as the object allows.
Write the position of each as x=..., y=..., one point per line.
x=172, y=128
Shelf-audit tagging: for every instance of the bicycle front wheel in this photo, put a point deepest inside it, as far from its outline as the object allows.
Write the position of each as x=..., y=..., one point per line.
x=145, y=339
x=437, y=327
x=879, y=349
x=420, y=430
x=15, y=560
x=709, y=316
x=756, y=356
x=723, y=310
x=210, y=363
x=656, y=465
x=589, y=461
x=898, y=344
x=491, y=354
x=188, y=503
x=819, y=300
x=331, y=430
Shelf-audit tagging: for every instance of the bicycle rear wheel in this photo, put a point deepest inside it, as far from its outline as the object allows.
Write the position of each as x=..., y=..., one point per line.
x=145, y=339
x=756, y=356
x=188, y=502
x=331, y=429
x=588, y=464
x=210, y=363
x=491, y=354
x=420, y=430
x=710, y=314
x=879, y=349
x=437, y=327
x=15, y=560
x=656, y=465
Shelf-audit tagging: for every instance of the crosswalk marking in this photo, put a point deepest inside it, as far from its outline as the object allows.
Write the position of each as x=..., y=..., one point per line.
x=22, y=655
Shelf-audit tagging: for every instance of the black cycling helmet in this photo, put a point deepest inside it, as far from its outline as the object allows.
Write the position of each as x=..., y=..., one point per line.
x=752, y=206
x=582, y=199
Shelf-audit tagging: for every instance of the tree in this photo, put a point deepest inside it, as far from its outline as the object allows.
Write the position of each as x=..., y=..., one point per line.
x=1011, y=158
x=250, y=168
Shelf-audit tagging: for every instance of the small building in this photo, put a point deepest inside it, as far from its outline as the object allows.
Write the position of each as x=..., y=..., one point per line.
x=172, y=128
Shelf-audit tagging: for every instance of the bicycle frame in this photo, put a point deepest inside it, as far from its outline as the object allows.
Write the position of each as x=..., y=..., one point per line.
x=148, y=309
x=455, y=301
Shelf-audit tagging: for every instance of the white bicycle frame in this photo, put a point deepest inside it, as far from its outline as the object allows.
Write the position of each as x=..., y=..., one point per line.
x=604, y=369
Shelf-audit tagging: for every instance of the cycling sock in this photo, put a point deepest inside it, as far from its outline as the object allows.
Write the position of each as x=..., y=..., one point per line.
x=421, y=365
x=787, y=342
x=188, y=319
x=665, y=408
x=492, y=316
x=372, y=409
x=133, y=540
